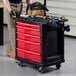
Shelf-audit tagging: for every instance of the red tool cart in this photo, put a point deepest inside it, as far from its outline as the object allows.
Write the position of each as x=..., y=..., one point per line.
x=40, y=42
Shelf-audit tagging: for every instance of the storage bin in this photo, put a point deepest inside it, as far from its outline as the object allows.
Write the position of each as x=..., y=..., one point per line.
x=28, y=37
x=31, y=46
x=29, y=31
x=28, y=25
x=29, y=55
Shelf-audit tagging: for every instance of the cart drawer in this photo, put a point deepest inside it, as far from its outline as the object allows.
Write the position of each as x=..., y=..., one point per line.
x=29, y=55
x=26, y=45
x=28, y=25
x=33, y=57
x=29, y=31
x=27, y=37
x=21, y=53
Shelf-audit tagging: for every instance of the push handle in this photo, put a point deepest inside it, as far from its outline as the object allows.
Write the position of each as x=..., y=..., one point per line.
x=44, y=2
x=45, y=6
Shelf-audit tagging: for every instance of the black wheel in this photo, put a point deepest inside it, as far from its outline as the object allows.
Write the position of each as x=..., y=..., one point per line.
x=21, y=64
x=36, y=67
x=58, y=66
x=41, y=69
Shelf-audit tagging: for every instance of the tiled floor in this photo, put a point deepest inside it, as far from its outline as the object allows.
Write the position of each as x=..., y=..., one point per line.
x=9, y=68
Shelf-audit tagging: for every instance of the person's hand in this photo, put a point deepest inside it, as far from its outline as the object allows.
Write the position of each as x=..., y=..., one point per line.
x=29, y=1
x=12, y=15
x=9, y=9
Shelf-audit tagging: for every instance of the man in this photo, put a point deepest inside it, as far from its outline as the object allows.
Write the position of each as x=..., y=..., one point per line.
x=13, y=9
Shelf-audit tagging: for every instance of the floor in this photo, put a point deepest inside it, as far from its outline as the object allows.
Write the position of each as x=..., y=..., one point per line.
x=9, y=68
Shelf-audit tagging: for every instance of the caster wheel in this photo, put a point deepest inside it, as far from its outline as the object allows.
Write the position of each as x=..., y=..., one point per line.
x=21, y=64
x=36, y=67
x=41, y=69
x=58, y=66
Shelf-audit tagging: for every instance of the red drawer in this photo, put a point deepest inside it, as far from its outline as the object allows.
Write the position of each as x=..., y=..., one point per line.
x=21, y=53
x=33, y=57
x=27, y=37
x=26, y=45
x=29, y=31
x=29, y=55
x=28, y=25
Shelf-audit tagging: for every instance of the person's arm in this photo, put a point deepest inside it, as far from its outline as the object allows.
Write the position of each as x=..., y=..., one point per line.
x=7, y=5
x=29, y=1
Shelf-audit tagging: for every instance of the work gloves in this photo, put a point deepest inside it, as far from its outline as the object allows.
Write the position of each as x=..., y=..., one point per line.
x=12, y=15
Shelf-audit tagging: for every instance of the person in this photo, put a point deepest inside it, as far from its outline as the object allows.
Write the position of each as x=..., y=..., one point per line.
x=13, y=8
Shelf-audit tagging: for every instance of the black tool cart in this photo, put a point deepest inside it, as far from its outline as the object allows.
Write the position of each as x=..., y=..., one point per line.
x=40, y=41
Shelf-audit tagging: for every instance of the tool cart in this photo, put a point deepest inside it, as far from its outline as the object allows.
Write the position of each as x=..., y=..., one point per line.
x=40, y=41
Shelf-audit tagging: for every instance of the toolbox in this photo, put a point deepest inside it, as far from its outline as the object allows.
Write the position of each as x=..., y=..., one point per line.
x=40, y=42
